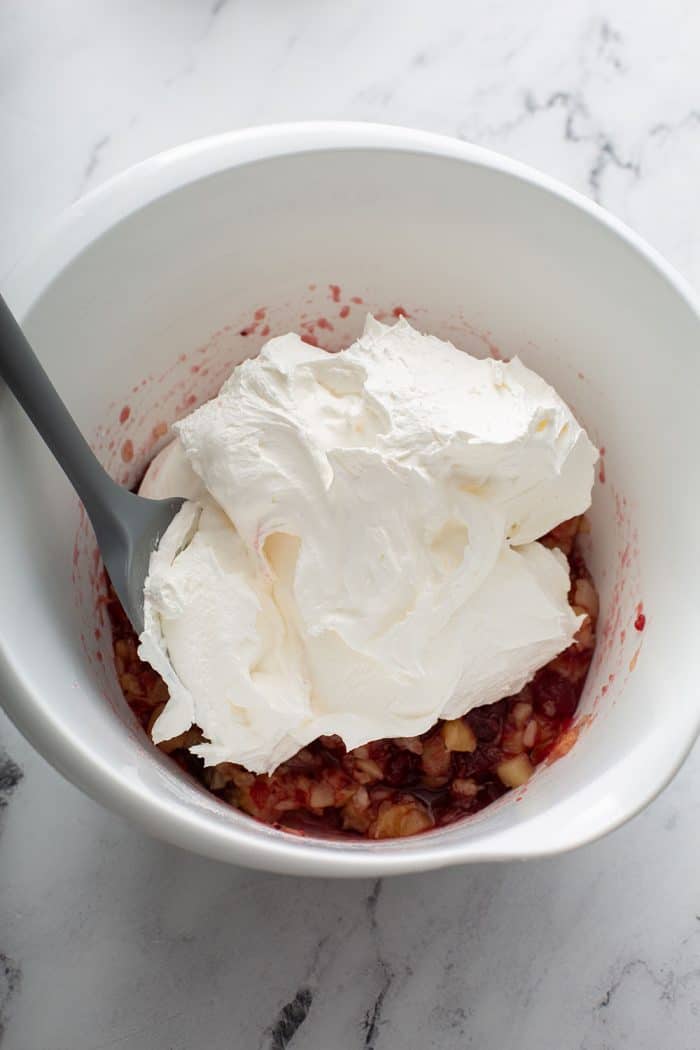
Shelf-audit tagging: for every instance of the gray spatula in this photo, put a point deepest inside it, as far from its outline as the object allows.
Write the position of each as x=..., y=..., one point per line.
x=127, y=527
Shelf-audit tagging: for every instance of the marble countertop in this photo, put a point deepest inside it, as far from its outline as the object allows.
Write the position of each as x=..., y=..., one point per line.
x=109, y=939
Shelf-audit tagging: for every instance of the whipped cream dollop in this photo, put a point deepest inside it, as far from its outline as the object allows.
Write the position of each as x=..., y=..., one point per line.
x=358, y=551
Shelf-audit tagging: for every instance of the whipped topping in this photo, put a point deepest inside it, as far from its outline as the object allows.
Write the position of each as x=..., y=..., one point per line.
x=358, y=551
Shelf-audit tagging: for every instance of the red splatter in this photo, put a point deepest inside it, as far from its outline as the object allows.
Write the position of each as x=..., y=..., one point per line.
x=356, y=299
x=399, y=311
x=159, y=431
x=324, y=323
x=259, y=314
x=98, y=634
x=344, y=311
x=640, y=620
x=244, y=331
x=264, y=332
x=124, y=414
x=194, y=369
x=100, y=657
x=601, y=466
x=128, y=450
x=76, y=555
x=335, y=292
x=310, y=339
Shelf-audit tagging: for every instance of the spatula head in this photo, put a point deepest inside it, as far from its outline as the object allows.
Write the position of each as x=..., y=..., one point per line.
x=126, y=543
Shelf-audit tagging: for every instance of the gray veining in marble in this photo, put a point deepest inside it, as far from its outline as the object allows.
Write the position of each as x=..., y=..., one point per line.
x=112, y=940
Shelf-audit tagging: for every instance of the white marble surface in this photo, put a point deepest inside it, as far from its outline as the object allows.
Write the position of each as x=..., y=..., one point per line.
x=111, y=940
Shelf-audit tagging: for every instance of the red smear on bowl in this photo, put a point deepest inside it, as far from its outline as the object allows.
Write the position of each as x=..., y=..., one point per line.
x=640, y=620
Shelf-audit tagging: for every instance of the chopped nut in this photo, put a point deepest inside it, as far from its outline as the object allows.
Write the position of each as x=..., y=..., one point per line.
x=321, y=795
x=221, y=775
x=416, y=820
x=514, y=772
x=356, y=820
x=530, y=734
x=366, y=770
x=464, y=788
x=458, y=736
x=400, y=819
x=357, y=815
x=285, y=805
x=521, y=713
x=585, y=596
x=435, y=758
x=585, y=636
x=563, y=535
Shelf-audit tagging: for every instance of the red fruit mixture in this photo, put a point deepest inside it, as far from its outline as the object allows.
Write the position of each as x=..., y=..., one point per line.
x=400, y=786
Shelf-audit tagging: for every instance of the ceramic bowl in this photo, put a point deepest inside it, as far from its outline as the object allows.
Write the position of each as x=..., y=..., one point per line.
x=148, y=291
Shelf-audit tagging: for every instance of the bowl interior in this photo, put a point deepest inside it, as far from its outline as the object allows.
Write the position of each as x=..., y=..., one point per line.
x=153, y=311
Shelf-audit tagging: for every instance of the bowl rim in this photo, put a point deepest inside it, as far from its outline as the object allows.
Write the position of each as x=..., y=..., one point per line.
x=67, y=237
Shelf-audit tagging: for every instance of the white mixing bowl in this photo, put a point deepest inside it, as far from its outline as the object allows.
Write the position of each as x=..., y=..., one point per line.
x=137, y=302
